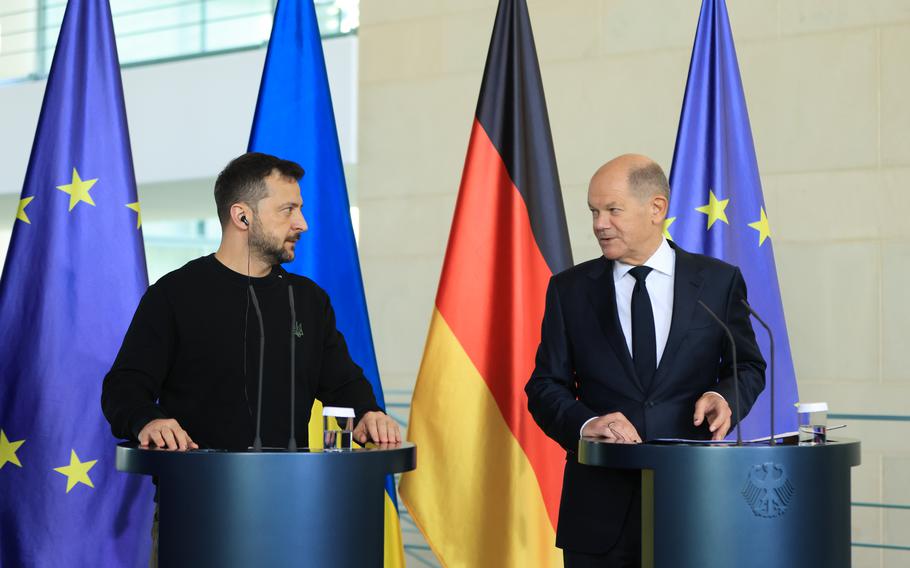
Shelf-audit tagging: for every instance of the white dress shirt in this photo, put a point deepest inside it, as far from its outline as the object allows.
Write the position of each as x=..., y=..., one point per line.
x=659, y=283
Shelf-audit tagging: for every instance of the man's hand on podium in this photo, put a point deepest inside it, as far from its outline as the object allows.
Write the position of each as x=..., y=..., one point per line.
x=166, y=433
x=713, y=407
x=614, y=426
x=377, y=427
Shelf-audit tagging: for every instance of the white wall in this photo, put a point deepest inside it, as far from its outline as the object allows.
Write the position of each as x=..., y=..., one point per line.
x=187, y=119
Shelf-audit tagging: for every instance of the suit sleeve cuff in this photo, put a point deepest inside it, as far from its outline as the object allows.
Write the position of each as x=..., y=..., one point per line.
x=582, y=429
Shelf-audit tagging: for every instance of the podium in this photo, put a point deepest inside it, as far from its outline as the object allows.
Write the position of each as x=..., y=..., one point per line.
x=746, y=506
x=270, y=508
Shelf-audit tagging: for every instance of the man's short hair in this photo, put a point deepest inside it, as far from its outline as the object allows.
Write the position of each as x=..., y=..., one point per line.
x=243, y=181
x=649, y=180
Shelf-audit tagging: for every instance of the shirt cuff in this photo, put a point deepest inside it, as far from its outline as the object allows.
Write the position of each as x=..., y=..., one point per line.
x=582, y=429
x=718, y=394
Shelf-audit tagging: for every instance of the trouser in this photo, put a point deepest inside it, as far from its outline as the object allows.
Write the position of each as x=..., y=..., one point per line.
x=153, y=559
x=626, y=553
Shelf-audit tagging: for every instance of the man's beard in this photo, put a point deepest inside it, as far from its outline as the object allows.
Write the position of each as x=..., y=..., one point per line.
x=270, y=251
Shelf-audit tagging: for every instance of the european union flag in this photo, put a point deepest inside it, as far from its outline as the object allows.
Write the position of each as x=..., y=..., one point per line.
x=294, y=120
x=716, y=205
x=73, y=276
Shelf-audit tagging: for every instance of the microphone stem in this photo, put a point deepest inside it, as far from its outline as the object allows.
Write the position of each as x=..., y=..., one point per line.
x=257, y=441
x=771, y=342
x=292, y=442
x=739, y=435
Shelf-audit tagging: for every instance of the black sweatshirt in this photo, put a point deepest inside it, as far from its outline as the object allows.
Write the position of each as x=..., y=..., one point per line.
x=185, y=357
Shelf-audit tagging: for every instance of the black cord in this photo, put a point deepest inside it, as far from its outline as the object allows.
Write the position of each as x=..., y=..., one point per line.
x=246, y=317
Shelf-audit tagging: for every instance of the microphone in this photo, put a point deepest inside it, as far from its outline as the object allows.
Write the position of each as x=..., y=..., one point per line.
x=292, y=442
x=771, y=341
x=257, y=441
x=739, y=435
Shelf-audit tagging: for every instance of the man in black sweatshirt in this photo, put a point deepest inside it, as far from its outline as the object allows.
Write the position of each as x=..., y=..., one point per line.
x=187, y=373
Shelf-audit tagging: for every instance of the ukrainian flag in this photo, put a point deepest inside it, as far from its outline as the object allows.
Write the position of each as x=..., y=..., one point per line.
x=295, y=121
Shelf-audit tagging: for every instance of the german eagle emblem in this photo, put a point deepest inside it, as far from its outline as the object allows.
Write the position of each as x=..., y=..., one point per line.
x=768, y=491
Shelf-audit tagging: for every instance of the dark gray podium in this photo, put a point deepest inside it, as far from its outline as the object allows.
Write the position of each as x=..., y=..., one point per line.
x=744, y=506
x=273, y=508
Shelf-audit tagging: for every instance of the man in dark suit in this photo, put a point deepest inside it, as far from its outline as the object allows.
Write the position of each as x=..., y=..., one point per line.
x=627, y=354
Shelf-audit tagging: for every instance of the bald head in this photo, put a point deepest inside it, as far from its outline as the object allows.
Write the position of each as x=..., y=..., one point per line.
x=643, y=175
x=628, y=198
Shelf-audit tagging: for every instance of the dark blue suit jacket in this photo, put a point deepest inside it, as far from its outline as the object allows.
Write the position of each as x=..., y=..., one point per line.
x=584, y=369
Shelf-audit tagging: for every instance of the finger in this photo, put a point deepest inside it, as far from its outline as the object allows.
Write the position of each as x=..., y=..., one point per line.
x=144, y=438
x=373, y=429
x=397, y=433
x=616, y=434
x=700, y=407
x=634, y=436
x=193, y=445
x=360, y=433
x=389, y=430
x=157, y=439
x=722, y=430
x=717, y=421
x=180, y=437
x=383, y=427
x=169, y=439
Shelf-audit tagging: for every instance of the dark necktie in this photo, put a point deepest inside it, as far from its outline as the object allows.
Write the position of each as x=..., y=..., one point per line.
x=644, y=344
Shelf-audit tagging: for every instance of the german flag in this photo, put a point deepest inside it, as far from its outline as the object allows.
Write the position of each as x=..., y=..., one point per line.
x=488, y=485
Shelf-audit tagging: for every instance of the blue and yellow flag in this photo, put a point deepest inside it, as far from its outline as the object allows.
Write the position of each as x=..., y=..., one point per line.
x=73, y=276
x=294, y=120
x=716, y=204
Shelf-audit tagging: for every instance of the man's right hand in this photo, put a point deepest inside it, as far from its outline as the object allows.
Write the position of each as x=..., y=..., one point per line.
x=166, y=433
x=613, y=426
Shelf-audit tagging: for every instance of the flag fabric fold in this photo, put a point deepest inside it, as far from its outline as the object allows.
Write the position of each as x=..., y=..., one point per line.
x=487, y=487
x=295, y=120
x=717, y=207
x=74, y=273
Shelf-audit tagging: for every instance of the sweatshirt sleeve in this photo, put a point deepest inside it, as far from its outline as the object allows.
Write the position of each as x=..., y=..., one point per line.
x=341, y=380
x=131, y=388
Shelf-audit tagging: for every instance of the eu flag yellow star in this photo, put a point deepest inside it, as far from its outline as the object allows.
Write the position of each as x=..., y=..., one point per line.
x=135, y=207
x=76, y=471
x=78, y=190
x=8, y=450
x=714, y=209
x=762, y=226
x=667, y=223
x=20, y=213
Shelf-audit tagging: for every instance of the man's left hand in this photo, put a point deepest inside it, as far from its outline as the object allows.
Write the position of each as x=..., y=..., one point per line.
x=377, y=427
x=713, y=407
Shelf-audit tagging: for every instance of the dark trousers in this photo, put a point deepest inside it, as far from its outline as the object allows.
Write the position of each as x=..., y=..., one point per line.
x=153, y=559
x=626, y=553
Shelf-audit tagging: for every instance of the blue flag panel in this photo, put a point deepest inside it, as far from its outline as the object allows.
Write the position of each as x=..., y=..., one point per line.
x=295, y=121
x=74, y=273
x=717, y=206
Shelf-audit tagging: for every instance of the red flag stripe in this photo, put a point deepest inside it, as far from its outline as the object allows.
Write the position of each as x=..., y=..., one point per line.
x=492, y=294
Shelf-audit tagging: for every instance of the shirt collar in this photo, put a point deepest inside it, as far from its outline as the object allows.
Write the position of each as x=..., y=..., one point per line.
x=663, y=260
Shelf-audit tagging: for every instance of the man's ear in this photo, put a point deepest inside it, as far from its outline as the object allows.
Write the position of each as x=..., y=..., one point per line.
x=240, y=217
x=659, y=206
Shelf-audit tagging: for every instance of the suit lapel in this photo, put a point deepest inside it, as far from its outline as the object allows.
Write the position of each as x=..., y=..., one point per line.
x=602, y=296
x=687, y=285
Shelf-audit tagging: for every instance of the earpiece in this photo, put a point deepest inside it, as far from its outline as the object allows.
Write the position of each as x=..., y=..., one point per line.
x=244, y=221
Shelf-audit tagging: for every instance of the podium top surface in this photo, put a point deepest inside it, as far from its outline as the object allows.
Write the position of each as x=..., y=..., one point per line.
x=393, y=458
x=599, y=452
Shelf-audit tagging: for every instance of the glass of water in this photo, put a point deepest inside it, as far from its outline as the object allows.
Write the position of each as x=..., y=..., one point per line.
x=813, y=423
x=337, y=428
